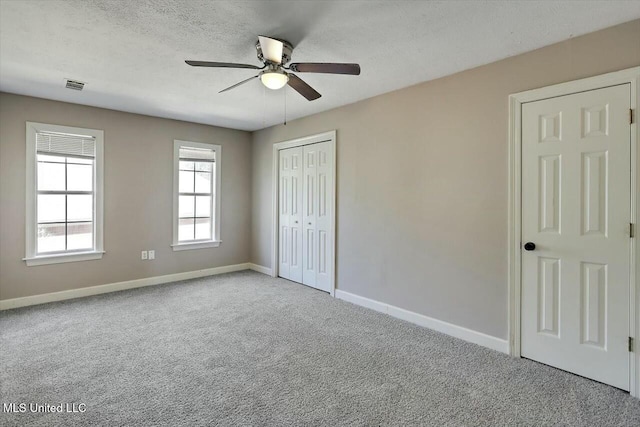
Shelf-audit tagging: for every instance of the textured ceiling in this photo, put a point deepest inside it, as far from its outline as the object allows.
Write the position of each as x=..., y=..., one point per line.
x=131, y=53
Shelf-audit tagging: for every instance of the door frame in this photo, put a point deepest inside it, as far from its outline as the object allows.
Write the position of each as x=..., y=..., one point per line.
x=329, y=137
x=632, y=77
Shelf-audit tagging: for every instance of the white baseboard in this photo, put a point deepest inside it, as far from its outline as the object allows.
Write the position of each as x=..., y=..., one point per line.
x=260, y=269
x=428, y=322
x=119, y=286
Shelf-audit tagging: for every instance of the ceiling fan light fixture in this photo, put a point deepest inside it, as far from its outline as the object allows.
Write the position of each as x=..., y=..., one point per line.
x=274, y=79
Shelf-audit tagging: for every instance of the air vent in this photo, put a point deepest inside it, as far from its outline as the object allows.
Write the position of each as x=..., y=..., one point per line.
x=74, y=84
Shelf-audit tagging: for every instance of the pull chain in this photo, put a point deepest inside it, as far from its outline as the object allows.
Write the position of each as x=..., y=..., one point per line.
x=285, y=104
x=264, y=106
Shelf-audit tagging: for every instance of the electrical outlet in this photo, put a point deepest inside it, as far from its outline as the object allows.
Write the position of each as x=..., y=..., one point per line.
x=144, y=255
x=152, y=254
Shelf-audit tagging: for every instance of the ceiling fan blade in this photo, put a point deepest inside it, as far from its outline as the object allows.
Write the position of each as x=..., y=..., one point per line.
x=271, y=49
x=302, y=88
x=222, y=65
x=330, y=68
x=241, y=83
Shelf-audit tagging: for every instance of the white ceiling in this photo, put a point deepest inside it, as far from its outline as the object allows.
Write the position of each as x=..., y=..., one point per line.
x=131, y=53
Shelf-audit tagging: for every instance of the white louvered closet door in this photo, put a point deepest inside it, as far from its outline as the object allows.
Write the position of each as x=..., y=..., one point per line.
x=290, y=208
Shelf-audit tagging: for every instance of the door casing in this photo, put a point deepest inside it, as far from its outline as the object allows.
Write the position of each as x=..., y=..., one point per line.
x=631, y=76
x=329, y=137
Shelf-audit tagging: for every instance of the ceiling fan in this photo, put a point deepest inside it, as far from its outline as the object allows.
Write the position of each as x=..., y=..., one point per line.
x=275, y=54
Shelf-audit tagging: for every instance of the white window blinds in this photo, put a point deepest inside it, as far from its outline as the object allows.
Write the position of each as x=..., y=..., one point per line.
x=197, y=154
x=65, y=144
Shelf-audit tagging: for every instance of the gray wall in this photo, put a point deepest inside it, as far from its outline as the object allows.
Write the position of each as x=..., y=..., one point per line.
x=138, y=184
x=422, y=181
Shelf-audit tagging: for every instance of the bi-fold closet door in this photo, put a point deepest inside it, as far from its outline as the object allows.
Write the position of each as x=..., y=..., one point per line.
x=305, y=203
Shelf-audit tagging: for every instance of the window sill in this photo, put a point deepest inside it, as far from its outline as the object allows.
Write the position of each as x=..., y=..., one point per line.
x=196, y=245
x=60, y=258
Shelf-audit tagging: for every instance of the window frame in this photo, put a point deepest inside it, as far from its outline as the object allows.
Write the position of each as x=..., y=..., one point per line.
x=32, y=258
x=215, y=241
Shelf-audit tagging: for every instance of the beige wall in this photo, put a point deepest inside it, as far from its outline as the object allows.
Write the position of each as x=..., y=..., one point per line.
x=422, y=181
x=138, y=183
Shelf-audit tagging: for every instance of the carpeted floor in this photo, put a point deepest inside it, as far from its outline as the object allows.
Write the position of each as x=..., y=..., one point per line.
x=247, y=349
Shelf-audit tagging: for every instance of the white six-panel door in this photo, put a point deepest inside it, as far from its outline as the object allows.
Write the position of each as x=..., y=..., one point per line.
x=290, y=218
x=305, y=206
x=310, y=201
x=318, y=197
x=576, y=211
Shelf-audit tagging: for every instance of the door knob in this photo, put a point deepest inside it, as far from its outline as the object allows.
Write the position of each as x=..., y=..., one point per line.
x=309, y=223
x=529, y=246
x=296, y=222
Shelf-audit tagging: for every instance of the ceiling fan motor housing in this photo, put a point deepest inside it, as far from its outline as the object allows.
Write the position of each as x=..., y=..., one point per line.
x=287, y=50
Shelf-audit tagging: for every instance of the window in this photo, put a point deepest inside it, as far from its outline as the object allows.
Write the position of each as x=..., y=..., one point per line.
x=64, y=194
x=196, y=195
